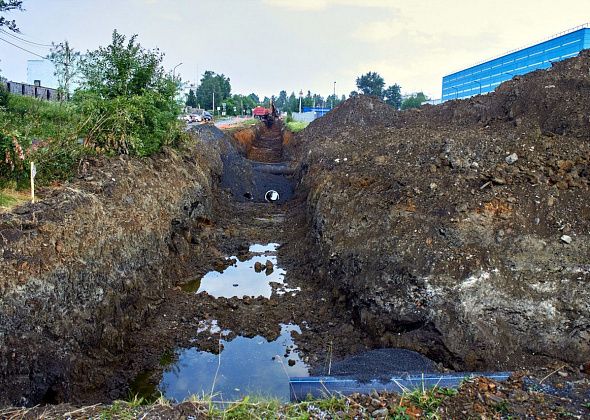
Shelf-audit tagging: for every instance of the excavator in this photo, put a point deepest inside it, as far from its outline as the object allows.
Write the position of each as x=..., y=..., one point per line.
x=268, y=115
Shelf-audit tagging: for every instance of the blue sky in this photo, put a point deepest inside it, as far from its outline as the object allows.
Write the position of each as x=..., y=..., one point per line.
x=268, y=45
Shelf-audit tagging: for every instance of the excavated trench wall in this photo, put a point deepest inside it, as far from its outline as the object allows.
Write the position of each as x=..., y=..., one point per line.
x=83, y=267
x=260, y=143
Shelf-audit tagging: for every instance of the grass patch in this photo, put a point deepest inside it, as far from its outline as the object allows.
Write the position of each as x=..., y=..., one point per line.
x=296, y=126
x=262, y=408
x=9, y=199
x=429, y=400
x=412, y=404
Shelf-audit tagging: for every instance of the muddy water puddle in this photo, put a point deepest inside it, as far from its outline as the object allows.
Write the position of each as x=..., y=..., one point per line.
x=245, y=366
x=257, y=276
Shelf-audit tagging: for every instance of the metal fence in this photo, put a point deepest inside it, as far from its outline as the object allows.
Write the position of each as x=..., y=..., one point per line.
x=304, y=116
x=35, y=91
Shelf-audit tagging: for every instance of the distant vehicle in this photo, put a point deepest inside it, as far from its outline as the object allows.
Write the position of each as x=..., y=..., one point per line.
x=267, y=115
x=202, y=115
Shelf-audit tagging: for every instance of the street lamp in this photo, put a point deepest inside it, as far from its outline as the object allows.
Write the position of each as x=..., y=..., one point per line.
x=174, y=70
x=457, y=92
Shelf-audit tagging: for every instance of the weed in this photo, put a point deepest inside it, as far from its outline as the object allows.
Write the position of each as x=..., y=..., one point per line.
x=6, y=200
x=119, y=410
x=9, y=198
x=400, y=413
x=296, y=126
x=502, y=407
x=587, y=405
x=429, y=400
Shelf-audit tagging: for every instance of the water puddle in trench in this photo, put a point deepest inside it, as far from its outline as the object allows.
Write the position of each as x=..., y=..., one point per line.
x=252, y=277
x=245, y=366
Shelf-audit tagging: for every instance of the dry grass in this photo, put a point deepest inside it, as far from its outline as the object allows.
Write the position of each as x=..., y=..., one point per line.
x=11, y=198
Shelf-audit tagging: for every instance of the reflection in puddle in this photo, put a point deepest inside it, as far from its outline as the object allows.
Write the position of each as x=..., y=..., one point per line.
x=251, y=277
x=211, y=327
x=259, y=248
x=246, y=366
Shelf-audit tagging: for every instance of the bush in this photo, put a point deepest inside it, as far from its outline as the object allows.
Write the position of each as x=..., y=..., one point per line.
x=4, y=95
x=39, y=131
x=14, y=162
x=127, y=99
x=138, y=125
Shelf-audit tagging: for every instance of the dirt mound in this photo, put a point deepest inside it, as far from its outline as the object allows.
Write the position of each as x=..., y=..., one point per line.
x=460, y=230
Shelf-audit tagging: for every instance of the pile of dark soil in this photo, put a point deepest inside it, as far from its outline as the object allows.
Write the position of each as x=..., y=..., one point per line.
x=461, y=231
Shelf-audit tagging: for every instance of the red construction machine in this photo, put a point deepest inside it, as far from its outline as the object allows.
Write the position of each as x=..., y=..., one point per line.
x=268, y=115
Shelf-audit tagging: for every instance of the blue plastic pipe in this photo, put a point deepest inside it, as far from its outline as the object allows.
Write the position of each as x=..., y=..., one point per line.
x=327, y=386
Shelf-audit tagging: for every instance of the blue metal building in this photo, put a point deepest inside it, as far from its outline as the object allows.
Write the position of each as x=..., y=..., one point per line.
x=319, y=112
x=486, y=76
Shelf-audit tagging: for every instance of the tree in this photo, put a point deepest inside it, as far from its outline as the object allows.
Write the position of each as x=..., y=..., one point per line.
x=7, y=6
x=66, y=62
x=393, y=96
x=414, y=101
x=308, y=100
x=213, y=83
x=371, y=84
x=124, y=68
x=353, y=94
x=191, y=99
x=281, y=101
x=293, y=103
x=254, y=98
x=127, y=98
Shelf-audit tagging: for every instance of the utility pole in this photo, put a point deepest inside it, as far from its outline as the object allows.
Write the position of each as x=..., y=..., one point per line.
x=334, y=97
x=213, y=102
x=197, y=86
x=300, y=98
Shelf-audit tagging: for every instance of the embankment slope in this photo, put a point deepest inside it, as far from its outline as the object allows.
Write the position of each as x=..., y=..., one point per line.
x=83, y=267
x=462, y=230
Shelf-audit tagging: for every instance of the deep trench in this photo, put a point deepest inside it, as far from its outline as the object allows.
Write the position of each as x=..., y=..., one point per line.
x=331, y=333
x=328, y=326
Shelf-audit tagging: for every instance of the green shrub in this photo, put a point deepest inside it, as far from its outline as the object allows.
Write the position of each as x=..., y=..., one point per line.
x=4, y=95
x=138, y=125
x=14, y=162
x=127, y=99
x=58, y=160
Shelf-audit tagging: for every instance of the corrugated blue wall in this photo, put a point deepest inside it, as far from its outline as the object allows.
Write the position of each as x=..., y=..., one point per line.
x=485, y=77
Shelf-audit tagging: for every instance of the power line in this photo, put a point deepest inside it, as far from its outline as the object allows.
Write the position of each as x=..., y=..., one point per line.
x=24, y=40
x=21, y=48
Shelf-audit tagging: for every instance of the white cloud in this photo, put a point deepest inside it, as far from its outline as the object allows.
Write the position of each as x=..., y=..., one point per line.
x=314, y=5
